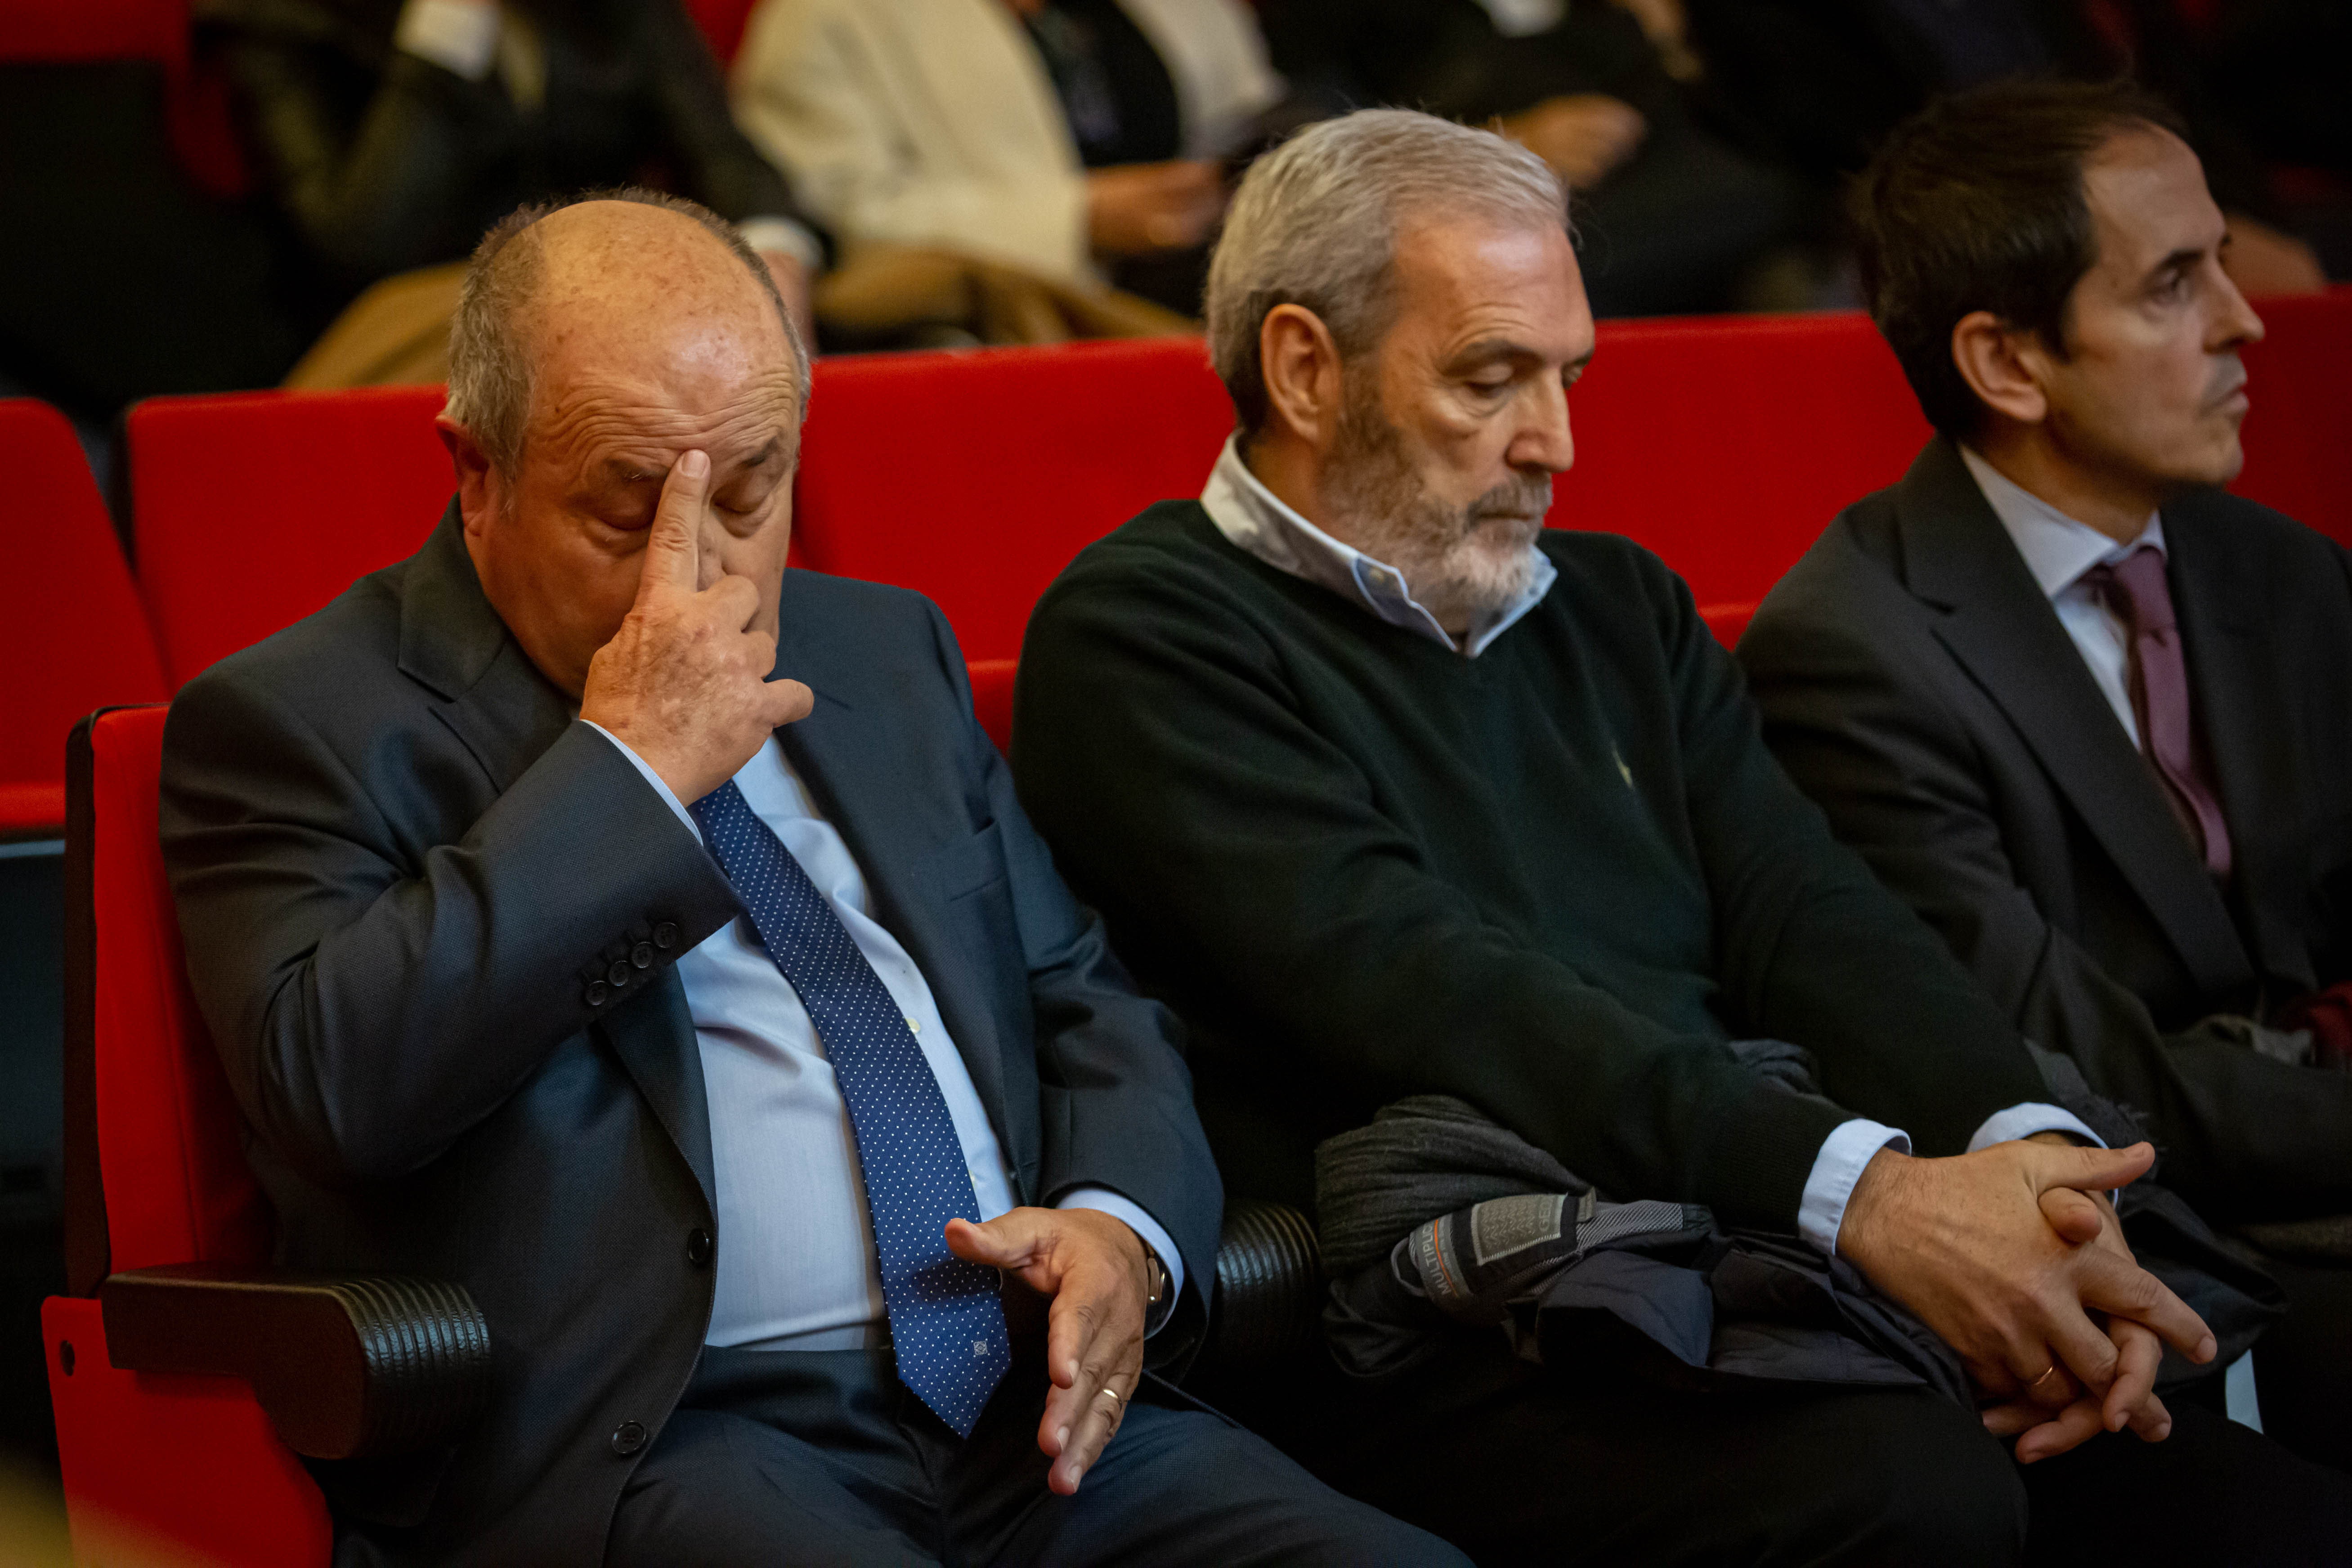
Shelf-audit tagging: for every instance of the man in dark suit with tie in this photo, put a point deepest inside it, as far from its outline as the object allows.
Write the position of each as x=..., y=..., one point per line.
x=725, y=1034
x=2084, y=710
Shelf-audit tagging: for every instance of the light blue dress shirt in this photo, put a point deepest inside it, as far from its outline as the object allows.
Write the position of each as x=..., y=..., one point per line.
x=2058, y=551
x=796, y=1263
x=1253, y=517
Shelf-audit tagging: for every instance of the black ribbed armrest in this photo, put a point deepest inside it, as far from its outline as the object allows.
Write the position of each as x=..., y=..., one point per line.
x=345, y=1366
x=1269, y=1288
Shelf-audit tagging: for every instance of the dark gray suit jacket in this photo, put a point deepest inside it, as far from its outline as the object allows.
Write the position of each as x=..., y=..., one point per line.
x=400, y=865
x=1916, y=682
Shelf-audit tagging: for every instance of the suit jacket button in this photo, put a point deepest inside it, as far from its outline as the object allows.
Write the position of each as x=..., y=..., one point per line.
x=642, y=955
x=596, y=992
x=619, y=974
x=628, y=1438
x=700, y=1246
x=666, y=936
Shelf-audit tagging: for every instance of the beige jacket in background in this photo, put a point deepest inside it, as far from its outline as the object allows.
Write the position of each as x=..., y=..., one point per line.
x=933, y=123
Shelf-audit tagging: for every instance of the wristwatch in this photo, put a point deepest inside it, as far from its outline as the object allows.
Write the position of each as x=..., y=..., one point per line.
x=1156, y=1303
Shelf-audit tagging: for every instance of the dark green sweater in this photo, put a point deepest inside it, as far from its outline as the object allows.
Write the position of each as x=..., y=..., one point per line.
x=1554, y=880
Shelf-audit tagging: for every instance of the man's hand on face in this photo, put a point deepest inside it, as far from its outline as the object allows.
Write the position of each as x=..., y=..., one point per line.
x=2008, y=1256
x=684, y=682
x=1093, y=1269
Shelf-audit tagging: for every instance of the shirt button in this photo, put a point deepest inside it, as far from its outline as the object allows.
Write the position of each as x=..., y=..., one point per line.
x=628, y=1438
x=597, y=993
x=913, y=1027
x=666, y=936
x=642, y=955
x=619, y=974
x=699, y=1247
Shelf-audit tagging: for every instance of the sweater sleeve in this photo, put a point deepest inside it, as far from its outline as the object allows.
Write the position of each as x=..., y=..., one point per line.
x=1165, y=754
x=1813, y=949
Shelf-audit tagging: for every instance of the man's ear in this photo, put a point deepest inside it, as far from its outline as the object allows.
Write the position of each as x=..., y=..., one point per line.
x=1303, y=381
x=480, y=486
x=2006, y=366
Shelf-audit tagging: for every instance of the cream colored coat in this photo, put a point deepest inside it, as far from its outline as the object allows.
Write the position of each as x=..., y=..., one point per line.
x=934, y=122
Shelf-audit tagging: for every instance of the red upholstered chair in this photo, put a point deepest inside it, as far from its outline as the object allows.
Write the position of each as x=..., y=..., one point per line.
x=1727, y=444
x=185, y=1373
x=2298, y=435
x=975, y=476
x=75, y=631
x=249, y=512
x=992, y=698
x=54, y=32
x=722, y=23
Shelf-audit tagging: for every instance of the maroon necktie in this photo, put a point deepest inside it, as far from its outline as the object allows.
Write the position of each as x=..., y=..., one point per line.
x=2136, y=590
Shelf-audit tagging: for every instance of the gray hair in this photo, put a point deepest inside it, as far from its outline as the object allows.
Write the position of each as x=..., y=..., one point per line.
x=1315, y=224
x=490, y=365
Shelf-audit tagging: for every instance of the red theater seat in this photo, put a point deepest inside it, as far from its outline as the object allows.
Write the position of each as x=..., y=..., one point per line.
x=74, y=628
x=154, y=1175
x=722, y=23
x=250, y=512
x=2298, y=435
x=61, y=30
x=991, y=698
x=975, y=476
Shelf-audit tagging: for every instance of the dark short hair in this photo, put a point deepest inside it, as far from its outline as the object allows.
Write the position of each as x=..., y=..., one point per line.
x=1976, y=203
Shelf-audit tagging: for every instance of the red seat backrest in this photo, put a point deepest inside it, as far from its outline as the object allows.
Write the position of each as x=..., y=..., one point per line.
x=252, y=510
x=722, y=23
x=992, y=698
x=975, y=476
x=147, y=1085
x=75, y=632
x=58, y=30
x=1727, y=444
x=2298, y=435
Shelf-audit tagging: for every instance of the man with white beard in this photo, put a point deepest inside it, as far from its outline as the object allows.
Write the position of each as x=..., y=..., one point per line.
x=1414, y=809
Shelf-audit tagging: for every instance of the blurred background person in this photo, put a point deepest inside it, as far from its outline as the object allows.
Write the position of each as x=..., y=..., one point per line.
x=1824, y=81
x=1671, y=215
x=393, y=132
x=1080, y=142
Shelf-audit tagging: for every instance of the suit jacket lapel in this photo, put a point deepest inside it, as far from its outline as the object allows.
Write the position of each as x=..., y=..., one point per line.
x=2001, y=628
x=2231, y=668
x=497, y=703
x=849, y=754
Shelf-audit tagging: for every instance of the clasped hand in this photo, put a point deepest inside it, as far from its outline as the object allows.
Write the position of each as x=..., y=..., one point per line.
x=684, y=683
x=1093, y=1269
x=2014, y=1257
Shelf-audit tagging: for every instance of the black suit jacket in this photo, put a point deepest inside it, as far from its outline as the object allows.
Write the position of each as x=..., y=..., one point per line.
x=401, y=863
x=1916, y=682
x=383, y=161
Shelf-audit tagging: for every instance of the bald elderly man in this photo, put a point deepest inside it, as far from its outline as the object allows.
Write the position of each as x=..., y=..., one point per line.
x=593, y=913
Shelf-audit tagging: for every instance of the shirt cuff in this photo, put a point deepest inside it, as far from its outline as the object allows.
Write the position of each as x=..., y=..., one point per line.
x=668, y=798
x=460, y=37
x=1110, y=1203
x=782, y=234
x=2025, y=1121
x=1850, y=1147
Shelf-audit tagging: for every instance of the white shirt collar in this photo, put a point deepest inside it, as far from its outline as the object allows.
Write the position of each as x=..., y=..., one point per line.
x=1253, y=517
x=2057, y=549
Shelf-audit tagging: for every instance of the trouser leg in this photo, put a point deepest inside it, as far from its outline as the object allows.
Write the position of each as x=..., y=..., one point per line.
x=2214, y=1491
x=2302, y=1366
x=784, y=1459
x=1178, y=1485
x=1516, y=1464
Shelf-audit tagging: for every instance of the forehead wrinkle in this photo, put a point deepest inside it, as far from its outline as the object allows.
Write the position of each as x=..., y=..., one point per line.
x=632, y=419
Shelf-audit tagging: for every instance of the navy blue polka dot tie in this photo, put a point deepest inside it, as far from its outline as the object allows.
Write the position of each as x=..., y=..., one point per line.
x=945, y=1324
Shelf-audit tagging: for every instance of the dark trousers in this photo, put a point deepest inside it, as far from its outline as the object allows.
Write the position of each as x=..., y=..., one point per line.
x=2302, y=1366
x=824, y=1458
x=1515, y=1465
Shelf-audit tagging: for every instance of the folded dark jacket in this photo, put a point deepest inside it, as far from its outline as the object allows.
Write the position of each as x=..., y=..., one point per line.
x=1435, y=1220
